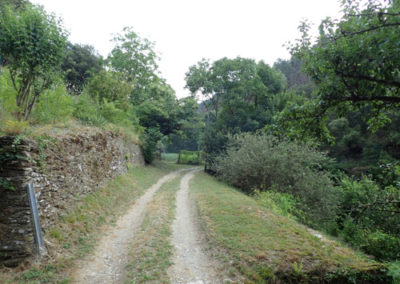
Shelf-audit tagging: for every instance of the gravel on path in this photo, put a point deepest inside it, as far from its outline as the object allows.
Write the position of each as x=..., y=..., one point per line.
x=191, y=263
x=107, y=263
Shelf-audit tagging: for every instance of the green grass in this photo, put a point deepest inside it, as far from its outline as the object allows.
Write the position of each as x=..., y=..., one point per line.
x=151, y=250
x=79, y=228
x=258, y=246
x=170, y=157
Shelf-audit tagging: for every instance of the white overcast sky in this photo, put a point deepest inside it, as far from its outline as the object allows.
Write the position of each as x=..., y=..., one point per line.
x=185, y=31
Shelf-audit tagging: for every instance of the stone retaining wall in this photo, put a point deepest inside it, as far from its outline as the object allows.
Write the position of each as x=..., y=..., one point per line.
x=60, y=168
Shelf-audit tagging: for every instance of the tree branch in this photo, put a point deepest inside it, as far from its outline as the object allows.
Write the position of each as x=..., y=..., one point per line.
x=345, y=34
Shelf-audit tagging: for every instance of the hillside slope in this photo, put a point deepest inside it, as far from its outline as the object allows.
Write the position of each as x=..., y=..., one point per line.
x=256, y=245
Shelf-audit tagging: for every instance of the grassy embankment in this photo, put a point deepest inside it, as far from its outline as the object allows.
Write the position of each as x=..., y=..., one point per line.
x=80, y=226
x=258, y=246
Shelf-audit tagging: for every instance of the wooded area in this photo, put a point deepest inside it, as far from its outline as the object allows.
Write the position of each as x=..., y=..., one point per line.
x=319, y=132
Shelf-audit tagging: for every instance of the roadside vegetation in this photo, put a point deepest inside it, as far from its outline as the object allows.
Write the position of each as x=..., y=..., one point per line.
x=315, y=138
x=319, y=131
x=52, y=81
x=81, y=224
x=259, y=246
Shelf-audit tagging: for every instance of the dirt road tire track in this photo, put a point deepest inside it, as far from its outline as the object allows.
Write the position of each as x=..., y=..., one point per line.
x=191, y=263
x=107, y=263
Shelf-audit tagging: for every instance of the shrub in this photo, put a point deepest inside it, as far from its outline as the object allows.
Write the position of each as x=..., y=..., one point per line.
x=87, y=111
x=8, y=96
x=369, y=205
x=382, y=246
x=261, y=161
x=189, y=157
x=54, y=106
x=150, y=139
x=14, y=127
x=394, y=271
x=281, y=203
x=368, y=217
x=113, y=114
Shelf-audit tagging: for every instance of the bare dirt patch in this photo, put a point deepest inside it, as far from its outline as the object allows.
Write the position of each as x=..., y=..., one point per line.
x=107, y=263
x=191, y=262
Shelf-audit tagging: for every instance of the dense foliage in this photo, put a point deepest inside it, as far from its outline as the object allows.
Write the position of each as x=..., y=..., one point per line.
x=355, y=61
x=237, y=97
x=45, y=80
x=339, y=93
x=316, y=136
x=80, y=63
x=31, y=46
x=262, y=162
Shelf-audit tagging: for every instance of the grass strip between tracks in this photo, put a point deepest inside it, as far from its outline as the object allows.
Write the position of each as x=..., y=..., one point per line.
x=151, y=251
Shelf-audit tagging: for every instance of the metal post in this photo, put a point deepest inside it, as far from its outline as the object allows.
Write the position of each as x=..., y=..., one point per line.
x=35, y=220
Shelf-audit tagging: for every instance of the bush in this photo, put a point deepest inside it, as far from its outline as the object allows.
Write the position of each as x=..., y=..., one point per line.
x=114, y=115
x=394, y=271
x=8, y=96
x=382, y=246
x=368, y=217
x=14, y=127
x=54, y=106
x=150, y=139
x=370, y=206
x=264, y=162
x=87, y=111
x=189, y=157
x=281, y=203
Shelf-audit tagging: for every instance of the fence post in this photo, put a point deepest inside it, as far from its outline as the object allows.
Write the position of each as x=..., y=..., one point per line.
x=37, y=232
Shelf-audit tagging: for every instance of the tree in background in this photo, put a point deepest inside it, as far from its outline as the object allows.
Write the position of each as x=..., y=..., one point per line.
x=158, y=114
x=111, y=87
x=237, y=96
x=191, y=127
x=80, y=63
x=16, y=4
x=32, y=44
x=297, y=80
x=135, y=58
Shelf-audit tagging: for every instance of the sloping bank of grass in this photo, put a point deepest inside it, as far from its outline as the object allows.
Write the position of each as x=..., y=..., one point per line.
x=255, y=244
x=80, y=226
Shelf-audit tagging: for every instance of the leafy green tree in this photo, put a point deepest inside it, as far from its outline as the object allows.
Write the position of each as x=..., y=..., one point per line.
x=80, y=63
x=237, y=96
x=135, y=58
x=297, y=80
x=111, y=87
x=355, y=61
x=16, y=4
x=160, y=109
x=32, y=44
x=191, y=126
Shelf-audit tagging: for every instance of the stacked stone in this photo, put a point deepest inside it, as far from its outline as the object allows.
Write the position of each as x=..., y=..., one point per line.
x=16, y=239
x=69, y=167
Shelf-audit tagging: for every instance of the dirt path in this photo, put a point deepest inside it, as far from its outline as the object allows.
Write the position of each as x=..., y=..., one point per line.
x=191, y=264
x=107, y=263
